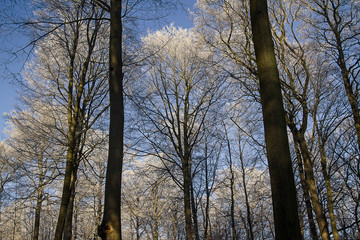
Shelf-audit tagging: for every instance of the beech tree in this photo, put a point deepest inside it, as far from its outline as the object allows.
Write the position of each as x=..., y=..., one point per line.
x=69, y=70
x=180, y=92
x=35, y=157
x=277, y=146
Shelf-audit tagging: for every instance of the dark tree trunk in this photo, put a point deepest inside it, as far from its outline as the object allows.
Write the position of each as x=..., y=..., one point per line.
x=67, y=235
x=310, y=181
x=247, y=202
x=187, y=201
x=207, y=204
x=305, y=188
x=110, y=228
x=281, y=174
x=39, y=200
x=194, y=213
x=66, y=194
x=71, y=160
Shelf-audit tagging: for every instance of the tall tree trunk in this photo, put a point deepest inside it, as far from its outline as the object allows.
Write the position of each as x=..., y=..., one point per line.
x=39, y=200
x=194, y=213
x=67, y=235
x=310, y=181
x=71, y=161
x=281, y=174
x=207, y=204
x=110, y=228
x=187, y=200
x=232, y=205
x=347, y=84
x=247, y=202
x=330, y=202
x=155, y=228
x=232, y=187
x=66, y=194
x=309, y=211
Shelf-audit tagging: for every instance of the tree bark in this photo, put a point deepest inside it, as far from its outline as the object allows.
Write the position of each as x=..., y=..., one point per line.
x=309, y=211
x=37, y=214
x=110, y=228
x=67, y=235
x=187, y=200
x=232, y=188
x=310, y=181
x=194, y=213
x=247, y=202
x=71, y=144
x=66, y=194
x=329, y=194
x=281, y=174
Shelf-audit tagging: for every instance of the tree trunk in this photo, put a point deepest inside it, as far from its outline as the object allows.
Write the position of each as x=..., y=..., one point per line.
x=207, y=204
x=110, y=228
x=247, y=202
x=187, y=201
x=155, y=230
x=330, y=201
x=66, y=194
x=232, y=187
x=348, y=86
x=232, y=205
x=310, y=181
x=67, y=235
x=71, y=155
x=37, y=214
x=194, y=213
x=309, y=211
x=281, y=174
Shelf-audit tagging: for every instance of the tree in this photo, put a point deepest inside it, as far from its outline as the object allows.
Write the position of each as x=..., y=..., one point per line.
x=68, y=71
x=110, y=227
x=277, y=146
x=35, y=157
x=180, y=92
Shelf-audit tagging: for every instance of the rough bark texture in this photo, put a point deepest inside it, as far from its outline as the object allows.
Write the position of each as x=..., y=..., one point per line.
x=281, y=174
x=110, y=228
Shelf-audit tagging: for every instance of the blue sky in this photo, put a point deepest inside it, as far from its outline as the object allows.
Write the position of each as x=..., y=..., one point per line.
x=8, y=93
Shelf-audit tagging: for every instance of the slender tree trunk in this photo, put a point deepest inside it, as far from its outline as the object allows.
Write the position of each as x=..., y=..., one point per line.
x=187, y=200
x=247, y=202
x=207, y=204
x=194, y=213
x=232, y=206
x=347, y=84
x=39, y=200
x=110, y=228
x=66, y=195
x=155, y=231
x=68, y=228
x=99, y=204
x=309, y=211
x=281, y=174
x=310, y=181
x=330, y=201
x=72, y=115
x=232, y=187
x=75, y=222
